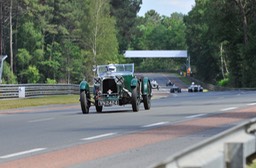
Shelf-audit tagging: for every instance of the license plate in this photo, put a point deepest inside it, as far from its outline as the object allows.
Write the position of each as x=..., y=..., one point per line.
x=108, y=103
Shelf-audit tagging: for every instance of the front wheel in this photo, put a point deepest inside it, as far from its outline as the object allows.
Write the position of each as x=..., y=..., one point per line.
x=147, y=102
x=84, y=102
x=98, y=108
x=135, y=100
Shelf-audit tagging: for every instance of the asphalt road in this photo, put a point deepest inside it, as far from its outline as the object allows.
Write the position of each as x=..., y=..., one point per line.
x=61, y=136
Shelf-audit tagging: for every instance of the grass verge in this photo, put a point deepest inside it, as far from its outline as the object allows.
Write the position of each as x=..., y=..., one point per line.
x=38, y=101
x=185, y=80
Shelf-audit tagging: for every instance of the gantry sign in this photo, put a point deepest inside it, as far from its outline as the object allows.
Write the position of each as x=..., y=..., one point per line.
x=156, y=54
x=159, y=54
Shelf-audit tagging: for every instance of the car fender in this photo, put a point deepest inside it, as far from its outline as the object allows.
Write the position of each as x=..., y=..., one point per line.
x=84, y=86
x=134, y=82
x=146, y=86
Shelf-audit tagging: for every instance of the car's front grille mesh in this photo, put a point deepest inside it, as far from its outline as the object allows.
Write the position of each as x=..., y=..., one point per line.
x=109, y=84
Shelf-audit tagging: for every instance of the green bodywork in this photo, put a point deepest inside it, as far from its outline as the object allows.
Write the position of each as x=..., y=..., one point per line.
x=145, y=89
x=84, y=86
x=134, y=82
x=127, y=81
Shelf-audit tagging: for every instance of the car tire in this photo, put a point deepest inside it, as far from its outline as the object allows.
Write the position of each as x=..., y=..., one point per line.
x=147, y=98
x=98, y=108
x=135, y=99
x=84, y=102
x=146, y=102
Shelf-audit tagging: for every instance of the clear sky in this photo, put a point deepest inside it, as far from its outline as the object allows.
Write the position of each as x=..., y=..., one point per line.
x=166, y=7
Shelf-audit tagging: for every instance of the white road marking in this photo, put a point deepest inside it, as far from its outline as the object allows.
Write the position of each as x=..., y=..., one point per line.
x=22, y=153
x=98, y=136
x=227, y=109
x=251, y=104
x=154, y=124
x=40, y=120
x=195, y=116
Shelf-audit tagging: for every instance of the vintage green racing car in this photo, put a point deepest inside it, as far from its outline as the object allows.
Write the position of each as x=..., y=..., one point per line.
x=116, y=84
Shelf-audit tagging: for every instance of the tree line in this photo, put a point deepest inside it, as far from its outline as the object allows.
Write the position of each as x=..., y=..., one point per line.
x=221, y=38
x=59, y=41
x=49, y=41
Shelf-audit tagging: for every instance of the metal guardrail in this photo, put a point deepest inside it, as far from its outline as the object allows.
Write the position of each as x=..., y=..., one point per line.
x=31, y=90
x=226, y=150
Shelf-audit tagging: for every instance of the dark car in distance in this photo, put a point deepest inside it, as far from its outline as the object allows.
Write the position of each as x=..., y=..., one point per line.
x=169, y=83
x=174, y=89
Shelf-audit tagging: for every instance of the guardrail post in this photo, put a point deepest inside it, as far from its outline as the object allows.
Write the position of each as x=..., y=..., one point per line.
x=234, y=154
x=21, y=92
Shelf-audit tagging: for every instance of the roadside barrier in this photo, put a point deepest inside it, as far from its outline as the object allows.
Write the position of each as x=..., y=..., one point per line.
x=33, y=90
x=226, y=150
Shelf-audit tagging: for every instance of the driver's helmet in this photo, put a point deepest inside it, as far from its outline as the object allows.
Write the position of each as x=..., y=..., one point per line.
x=193, y=83
x=111, y=68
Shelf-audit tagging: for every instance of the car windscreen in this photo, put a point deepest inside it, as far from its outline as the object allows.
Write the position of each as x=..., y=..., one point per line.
x=120, y=68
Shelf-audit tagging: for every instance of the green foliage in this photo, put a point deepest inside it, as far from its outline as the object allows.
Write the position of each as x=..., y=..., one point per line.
x=52, y=61
x=38, y=56
x=99, y=35
x=72, y=67
x=23, y=57
x=157, y=65
x=62, y=40
x=221, y=40
x=223, y=82
x=31, y=36
x=31, y=74
x=155, y=32
x=125, y=13
x=202, y=48
x=50, y=81
x=7, y=76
